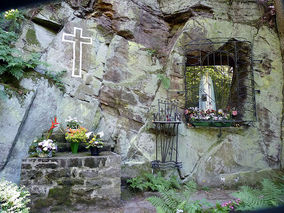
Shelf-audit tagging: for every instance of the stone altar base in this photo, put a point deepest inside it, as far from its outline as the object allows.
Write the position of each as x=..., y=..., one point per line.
x=73, y=182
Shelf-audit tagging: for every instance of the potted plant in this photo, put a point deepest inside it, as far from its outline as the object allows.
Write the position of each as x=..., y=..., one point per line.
x=95, y=143
x=44, y=147
x=76, y=136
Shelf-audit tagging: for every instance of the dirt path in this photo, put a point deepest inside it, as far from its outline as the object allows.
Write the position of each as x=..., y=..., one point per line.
x=136, y=203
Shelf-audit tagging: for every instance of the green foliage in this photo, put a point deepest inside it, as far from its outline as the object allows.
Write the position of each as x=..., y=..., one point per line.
x=166, y=82
x=269, y=195
x=170, y=201
x=56, y=79
x=12, y=61
x=15, y=17
x=151, y=182
x=151, y=52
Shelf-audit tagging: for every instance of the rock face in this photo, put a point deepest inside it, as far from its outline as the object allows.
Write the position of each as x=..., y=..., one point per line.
x=132, y=43
x=68, y=182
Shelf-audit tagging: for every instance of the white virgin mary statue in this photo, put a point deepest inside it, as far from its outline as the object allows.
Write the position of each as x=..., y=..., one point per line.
x=206, y=93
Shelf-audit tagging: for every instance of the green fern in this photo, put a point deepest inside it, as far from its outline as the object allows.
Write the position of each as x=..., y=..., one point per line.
x=170, y=201
x=269, y=195
x=152, y=182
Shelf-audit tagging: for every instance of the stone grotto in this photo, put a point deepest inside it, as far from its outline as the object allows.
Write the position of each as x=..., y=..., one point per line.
x=119, y=59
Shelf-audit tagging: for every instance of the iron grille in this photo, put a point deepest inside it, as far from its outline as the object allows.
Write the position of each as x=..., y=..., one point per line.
x=166, y=122
x=221, y=59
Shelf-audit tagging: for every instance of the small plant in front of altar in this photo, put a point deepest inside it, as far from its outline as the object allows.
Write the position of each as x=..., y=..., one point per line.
x=13, y=198
x=72, y=123
x=95, y=141
x=152, y=182
x=44, y=147
x=76, y=135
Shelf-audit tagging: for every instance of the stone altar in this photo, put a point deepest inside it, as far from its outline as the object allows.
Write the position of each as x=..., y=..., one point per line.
x=69, y=182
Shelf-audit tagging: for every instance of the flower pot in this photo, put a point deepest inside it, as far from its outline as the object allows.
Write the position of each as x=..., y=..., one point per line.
x=74, y=147
x=95, y=151
x=211, y=123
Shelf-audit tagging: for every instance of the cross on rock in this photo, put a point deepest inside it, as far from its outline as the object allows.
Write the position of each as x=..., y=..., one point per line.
x=78, y=40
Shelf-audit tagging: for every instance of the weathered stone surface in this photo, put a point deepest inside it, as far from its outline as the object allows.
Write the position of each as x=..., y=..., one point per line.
x=133, y=42
x=75, y=184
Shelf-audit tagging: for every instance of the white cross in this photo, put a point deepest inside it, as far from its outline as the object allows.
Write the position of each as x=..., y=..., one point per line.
x=78, y=40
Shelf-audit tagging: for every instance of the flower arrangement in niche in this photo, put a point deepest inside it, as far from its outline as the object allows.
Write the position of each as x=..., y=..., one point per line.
x=44, y=147
x=194, y=115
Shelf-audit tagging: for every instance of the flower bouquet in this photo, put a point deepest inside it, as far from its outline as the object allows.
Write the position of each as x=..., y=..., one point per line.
x=95, y=143
x=76, y=136
x=44, y=147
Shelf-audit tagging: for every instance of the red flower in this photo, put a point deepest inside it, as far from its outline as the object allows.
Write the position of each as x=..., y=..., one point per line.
x=53, y=124
x=234, y=113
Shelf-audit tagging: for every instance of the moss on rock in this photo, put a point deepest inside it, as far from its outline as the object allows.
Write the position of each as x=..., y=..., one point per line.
x=31, y=37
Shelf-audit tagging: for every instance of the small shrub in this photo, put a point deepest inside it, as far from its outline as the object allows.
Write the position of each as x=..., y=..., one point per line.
x=151, y=182
x=13, y=198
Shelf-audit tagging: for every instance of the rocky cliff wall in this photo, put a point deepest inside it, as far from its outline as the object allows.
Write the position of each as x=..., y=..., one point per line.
x=132, y=43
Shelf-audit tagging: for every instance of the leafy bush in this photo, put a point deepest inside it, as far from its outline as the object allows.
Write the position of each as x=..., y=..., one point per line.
x=13, y=198
x=269, y=195
x=151, y=182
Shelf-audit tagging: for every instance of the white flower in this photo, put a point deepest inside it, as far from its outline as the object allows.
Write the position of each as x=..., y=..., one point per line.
x=101, y=134
x=223, y=179
x=179, y=211
x=88, y=134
